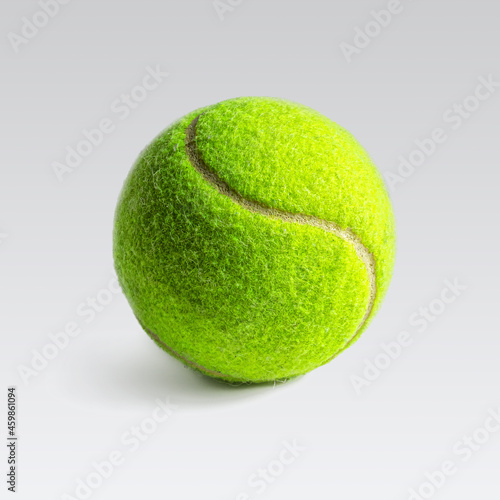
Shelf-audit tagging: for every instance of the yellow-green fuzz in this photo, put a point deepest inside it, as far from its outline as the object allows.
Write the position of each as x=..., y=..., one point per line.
x=254, y=240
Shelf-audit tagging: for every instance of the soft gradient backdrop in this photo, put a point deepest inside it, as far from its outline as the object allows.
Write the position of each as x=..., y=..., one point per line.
x=55, y=249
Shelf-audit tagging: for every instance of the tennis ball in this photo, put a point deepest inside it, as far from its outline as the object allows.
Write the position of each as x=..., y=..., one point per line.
x=254, y=240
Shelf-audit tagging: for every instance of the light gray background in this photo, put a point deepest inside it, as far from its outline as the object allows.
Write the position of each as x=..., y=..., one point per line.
x=56, y=249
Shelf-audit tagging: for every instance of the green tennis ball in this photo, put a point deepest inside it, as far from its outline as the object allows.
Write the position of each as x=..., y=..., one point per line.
x=254, y=240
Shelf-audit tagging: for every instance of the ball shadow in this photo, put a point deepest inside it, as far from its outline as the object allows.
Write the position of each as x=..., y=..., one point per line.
x=141, y=376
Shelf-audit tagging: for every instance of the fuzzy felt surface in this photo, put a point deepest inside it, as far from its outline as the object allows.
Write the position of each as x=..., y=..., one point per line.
x=235, y=293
